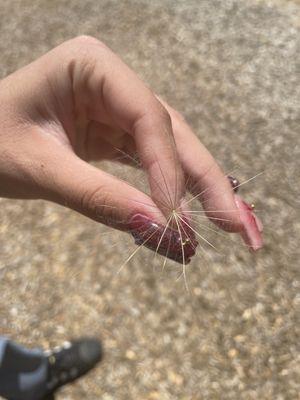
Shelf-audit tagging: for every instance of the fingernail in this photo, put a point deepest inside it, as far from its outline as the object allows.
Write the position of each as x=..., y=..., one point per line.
x=167, y=242
x=234, y=183
x=258, y=223
x=252, y=225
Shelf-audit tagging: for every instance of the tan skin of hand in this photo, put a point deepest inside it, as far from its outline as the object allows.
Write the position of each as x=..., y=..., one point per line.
x=80, y=102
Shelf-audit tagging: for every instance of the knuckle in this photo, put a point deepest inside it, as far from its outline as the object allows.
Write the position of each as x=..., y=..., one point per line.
x=157, y=112
x=207, y=174
x=82, y=56
x=85, y=40
x=163, y=114
x=97, y=204
x=83, y=47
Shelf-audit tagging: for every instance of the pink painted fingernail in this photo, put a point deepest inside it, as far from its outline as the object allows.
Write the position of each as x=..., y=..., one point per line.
x=167, y=242
x=235, y=184
x=252, y=225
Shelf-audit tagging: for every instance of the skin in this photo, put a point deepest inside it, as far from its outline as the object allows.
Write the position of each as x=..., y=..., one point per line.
x=80, y=102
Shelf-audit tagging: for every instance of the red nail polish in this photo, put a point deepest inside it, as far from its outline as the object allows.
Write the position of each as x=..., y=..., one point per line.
x=234, y=183
x=148, y=233
x=252, y=225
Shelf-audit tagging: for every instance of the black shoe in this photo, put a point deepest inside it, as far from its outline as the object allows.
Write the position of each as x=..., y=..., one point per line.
x=70, y=362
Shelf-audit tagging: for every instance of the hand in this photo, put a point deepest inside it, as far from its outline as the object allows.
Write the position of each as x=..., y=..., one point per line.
x=80, y=102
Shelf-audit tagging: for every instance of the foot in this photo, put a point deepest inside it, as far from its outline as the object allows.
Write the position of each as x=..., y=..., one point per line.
x=70, y=362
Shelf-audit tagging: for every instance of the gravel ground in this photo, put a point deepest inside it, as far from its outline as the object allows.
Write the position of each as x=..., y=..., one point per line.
x=232, y=68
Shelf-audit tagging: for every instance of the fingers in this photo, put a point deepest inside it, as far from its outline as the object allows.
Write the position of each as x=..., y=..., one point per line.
x=68, y=180
x=206, y=180
x=111, y=93
x=59, y=175
x=213, y=188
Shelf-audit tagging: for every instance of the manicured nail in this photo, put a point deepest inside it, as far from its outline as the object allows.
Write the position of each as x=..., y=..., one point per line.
x=234, y=183
x=252, y=225
x=167, y=242
x=258, y=222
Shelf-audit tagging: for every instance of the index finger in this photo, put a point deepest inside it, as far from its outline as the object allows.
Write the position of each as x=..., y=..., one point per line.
x=114, y=94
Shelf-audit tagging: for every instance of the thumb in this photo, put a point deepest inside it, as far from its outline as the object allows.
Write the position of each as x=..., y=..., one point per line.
x=96, y=194
x=106, y=199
